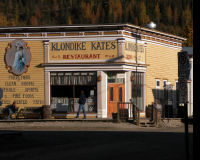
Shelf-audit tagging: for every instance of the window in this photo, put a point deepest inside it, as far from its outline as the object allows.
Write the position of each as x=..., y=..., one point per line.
x=165, y=83
x=157, y=93
x=157, y=84
x=114, y=77
x=111, y=93
x=176, y=85
x=120, y=94
x=138, y=89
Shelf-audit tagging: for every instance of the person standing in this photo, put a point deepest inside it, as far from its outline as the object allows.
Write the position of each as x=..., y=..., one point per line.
x=82, y=101
x=12, y=109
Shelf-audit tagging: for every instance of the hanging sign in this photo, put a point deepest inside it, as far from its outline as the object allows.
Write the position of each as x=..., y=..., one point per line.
x=183, y=72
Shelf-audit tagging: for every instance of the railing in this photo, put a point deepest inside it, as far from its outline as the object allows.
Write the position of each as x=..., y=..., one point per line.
x=128, y=111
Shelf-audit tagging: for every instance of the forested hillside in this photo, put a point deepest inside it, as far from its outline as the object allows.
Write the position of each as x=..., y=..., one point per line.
x=171, y=16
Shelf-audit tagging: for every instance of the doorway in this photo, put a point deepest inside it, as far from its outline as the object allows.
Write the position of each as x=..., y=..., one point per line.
x=115, y=92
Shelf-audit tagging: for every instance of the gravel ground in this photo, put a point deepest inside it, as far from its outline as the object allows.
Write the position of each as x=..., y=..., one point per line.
x=86, y=126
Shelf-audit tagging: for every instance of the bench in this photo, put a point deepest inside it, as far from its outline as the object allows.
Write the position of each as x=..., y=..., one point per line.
x=23, y=112
x=30, y=112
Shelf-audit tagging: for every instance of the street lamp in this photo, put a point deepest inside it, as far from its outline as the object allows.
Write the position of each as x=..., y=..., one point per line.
x=150, y=25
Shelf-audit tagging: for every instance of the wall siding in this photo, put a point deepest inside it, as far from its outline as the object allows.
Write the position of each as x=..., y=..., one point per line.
x=35, y=73
x=163, y=65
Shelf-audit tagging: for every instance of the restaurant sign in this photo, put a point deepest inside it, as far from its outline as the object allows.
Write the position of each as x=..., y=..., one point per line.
x=82, y=50
x=134, y=51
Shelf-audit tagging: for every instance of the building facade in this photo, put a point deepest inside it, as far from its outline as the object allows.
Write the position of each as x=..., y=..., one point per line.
x=50, y=65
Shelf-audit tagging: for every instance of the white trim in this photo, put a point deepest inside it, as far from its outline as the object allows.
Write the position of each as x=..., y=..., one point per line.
x=95, y=68
x=125, y=89
x=163, y=44
x=144, y=92
x=62, y=37
x=92, y=26
x=106, y=94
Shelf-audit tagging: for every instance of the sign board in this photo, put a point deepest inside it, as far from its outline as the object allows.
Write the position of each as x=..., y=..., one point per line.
x=183, y=65
x=183, y=74
x=24, y=83
x=83, y=51
x=133, y=52
x=182, y=86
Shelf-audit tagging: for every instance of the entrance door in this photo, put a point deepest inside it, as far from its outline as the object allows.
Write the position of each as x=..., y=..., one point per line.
x=116, y=94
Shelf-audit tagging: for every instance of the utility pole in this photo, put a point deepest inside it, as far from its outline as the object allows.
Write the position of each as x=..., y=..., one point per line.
x=183, y=72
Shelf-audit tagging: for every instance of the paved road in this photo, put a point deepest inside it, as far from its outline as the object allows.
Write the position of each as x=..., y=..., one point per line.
x=92, y=141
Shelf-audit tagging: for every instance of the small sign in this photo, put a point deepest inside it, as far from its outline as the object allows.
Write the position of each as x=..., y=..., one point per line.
x=91, y=92
x=182, y=86
x=169, y=102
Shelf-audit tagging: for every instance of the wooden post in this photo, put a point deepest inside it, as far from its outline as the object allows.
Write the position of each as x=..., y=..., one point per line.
x=118, y=112
x=138, y=117
x=186, y=131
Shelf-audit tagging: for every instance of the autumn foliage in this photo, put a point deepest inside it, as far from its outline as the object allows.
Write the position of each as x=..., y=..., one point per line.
x=171, y=16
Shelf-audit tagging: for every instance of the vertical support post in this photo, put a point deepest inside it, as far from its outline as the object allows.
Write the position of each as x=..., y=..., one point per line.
x=47, y=96
x=134, y=113
x=138, y=117
x=118, y=112
x=186, y=131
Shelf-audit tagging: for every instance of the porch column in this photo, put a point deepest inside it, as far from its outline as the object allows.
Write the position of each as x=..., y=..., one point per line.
x=102, y=95
x=128, y=86
x=46, y=74
x=121, y=49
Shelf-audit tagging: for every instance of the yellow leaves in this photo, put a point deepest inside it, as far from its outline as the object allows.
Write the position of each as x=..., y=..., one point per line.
x=70, y=21
x=34, y=21
x=3, y=20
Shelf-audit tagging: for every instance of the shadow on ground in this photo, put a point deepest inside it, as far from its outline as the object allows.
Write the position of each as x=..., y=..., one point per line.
x=92, y=145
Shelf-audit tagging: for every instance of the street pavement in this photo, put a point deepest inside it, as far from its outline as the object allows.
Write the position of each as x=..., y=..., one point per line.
x=91, y=141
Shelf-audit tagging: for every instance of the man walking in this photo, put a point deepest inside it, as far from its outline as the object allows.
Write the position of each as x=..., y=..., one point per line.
x=82, y=101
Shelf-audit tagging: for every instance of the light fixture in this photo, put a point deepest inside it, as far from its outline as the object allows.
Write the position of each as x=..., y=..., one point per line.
x=151, y=25
x=99, y=78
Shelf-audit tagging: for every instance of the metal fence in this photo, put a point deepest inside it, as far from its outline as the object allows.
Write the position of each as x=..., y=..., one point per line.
x=128, y=111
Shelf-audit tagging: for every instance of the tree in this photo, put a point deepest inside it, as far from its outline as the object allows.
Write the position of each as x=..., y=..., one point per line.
x=169, y=14
x=157, y=14
x=34, y=21
x=3, y=20
x=143, y=17
x=186, y=16
x=188, y=33
x=175, y=17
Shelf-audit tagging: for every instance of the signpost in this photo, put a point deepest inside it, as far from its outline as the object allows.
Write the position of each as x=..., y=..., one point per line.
x=183, y=75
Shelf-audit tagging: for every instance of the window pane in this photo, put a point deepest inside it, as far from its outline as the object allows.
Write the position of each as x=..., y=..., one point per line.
x=120, y=94
x=111, y=93
x=138, y=89
x=158, y=83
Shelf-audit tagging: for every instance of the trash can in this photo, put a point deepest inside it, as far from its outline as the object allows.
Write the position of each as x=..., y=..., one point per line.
x=47, y=112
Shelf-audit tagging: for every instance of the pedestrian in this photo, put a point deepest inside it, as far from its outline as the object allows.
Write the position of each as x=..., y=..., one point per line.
x=81, y=101
x=12, y=109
